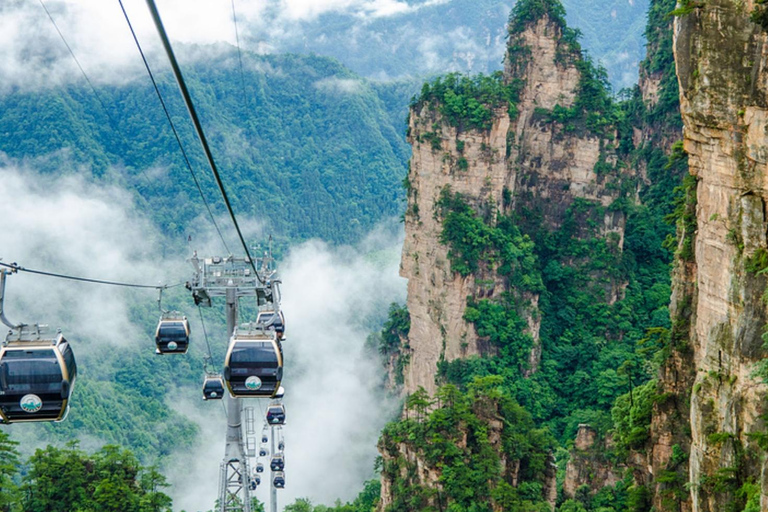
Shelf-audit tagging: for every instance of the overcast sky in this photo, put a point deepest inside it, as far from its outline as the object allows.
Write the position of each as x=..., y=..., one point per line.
x=33, y=54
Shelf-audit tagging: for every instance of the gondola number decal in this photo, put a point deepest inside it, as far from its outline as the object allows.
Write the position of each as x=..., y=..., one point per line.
x=253, y=383
x=31, y=403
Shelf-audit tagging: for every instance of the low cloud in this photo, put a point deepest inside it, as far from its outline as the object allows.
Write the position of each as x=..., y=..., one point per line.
x=335, y=85
x=66, y=225
x=333, y=297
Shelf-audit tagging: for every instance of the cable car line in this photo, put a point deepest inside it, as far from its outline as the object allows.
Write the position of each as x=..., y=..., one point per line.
x=18, y=268
x=173, y=127
x=72, y=53
x=198, y=127
x=112, y=122
x=205, y=334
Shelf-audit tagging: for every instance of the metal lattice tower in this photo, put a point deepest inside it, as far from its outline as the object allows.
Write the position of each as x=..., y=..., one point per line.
x=233, y=278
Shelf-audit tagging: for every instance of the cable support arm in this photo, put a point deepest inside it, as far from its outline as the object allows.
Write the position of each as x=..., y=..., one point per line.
x=3, y=318
x=198, y=126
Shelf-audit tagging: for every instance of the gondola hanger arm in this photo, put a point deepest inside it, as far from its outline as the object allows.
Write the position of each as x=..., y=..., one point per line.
x=3, y=273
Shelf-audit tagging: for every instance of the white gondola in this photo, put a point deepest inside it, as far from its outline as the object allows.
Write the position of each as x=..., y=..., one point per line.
x=213, y=387
x=276, y=414
x=277, y=463
x=172, y=334
x=254, y=363
x=37, y=375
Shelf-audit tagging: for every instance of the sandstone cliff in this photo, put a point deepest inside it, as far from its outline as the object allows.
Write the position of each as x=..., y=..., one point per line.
x=721, y=61
x=522, y=162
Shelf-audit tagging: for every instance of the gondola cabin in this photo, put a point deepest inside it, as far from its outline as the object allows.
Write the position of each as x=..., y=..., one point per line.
x=172, y=335
x=279, y=480
x=36, y=378
x=272, y=320
x=254, y=363
x=277, y=463
x=259, y=467
x=276, y=414
x=213, y=387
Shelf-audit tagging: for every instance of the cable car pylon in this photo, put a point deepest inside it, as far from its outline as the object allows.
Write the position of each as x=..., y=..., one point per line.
x=234, y=278
x=234, y=468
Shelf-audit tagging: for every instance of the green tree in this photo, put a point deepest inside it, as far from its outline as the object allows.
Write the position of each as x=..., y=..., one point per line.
x=9, y=463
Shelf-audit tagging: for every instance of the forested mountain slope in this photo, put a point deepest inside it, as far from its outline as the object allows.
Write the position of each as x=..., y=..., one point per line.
x=306, y=147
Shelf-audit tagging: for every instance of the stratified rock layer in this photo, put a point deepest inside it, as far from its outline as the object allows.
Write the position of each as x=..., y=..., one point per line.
x=536, y=163
x=721, y=60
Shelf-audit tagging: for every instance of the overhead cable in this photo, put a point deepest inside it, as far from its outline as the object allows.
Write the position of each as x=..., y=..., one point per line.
x=112, y=122
x=173, y=127
x=198, y=127
x=18, y=268
x=205, y=333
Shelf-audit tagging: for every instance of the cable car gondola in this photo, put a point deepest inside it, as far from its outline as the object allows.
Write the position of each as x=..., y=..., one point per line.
x=274, y=321
x=276, y=414
x=213, y=387
x=259, y=467
x=254, y=363
x=277, y=463
x=279, y=480
x=172, y=335
x=263, y=451
x=37, y=375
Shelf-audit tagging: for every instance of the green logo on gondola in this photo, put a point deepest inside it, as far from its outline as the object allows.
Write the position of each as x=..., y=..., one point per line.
x=253, y=383
x=173, y=345
x=31, y=403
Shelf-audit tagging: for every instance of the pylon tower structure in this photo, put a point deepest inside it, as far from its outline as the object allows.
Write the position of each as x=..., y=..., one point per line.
x=234, y=278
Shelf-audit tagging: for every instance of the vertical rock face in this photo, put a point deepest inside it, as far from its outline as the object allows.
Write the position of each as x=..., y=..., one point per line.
x=721, y=61
x=522, y=163
x=588, y=465
x=436, y=296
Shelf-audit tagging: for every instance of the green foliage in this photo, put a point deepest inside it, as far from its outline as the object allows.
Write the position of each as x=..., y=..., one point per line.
x=592, y=351
x=392, y=341
x=758, y=262
x=632, y=416
x=9, y=466
x=289, y=153
x=749, y=493
x=395, y=329
x=468, y=102
x=499, y=244
x=639, y=499
x=453, y=439
x=502, y=325
x=759, y=14
x=526, y=12
x=687, y=7
x=684, y=217
x=593, y=110
x=66, y=479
